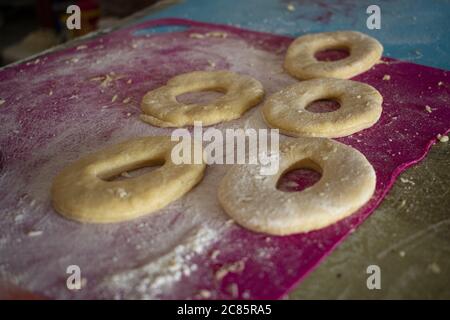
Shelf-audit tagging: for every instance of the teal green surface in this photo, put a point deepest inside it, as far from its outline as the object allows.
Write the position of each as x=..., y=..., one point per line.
x=413, y=30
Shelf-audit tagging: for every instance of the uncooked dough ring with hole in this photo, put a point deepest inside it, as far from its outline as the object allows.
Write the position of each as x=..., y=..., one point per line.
x=81, y=191
x=360, y=108
x=162, y=109
x=253, y=201
x=364, y=52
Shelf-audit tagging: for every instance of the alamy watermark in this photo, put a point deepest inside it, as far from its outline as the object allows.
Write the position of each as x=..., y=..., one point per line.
x=74, y=280
x=374, y=19
x=74, y=19
x=236, y=146
x=373, y=281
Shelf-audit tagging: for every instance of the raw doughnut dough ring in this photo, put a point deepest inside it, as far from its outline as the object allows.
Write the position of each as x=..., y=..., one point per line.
x=253, y=201
x=81, y=192
x=300, y=62
x=162, y=109
x=360, y=108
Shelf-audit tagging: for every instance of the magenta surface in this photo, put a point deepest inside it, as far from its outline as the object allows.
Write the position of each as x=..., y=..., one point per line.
x=401, y=138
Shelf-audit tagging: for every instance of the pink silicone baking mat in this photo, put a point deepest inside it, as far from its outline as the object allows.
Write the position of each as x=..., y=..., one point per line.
x=62, y=105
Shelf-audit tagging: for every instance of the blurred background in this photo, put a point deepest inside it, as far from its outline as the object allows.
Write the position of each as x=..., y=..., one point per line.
x=31, y=26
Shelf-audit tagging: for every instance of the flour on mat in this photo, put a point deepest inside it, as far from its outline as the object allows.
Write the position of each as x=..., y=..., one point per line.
x=157, y=276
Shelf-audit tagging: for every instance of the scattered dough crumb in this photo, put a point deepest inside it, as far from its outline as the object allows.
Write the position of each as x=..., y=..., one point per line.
x=442, y=138
x=291, y=184
x=83, y=282
x=290, y=7
x=246, y=294
x=217, y=34
x=440, y=83
x=36, y=233
x=233, y=289
x=428, y=109
x=215, y=254
x=386, y=77
x=114, y=98
x=206, y=294
x=107, y=79
x=404, y=180
x=196, y=36
x=434, y=267
x=236, y=267
x=50, y=93
x=229, y=222
x=129, y=81
x=126, y=100
x=402, y=253
x=33, y=62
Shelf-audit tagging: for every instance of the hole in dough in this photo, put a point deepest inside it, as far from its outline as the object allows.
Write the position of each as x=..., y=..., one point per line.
x=134, y=173
x=202, y=97
x=131, y=171
x=332, y=54
x=302, y=175
x=323, y=106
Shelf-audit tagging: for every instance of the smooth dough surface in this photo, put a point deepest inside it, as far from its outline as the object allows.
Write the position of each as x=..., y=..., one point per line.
x=82, y=191
x=253, y=201
x=300, y=62
x=360, y=108
x=162, y=109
